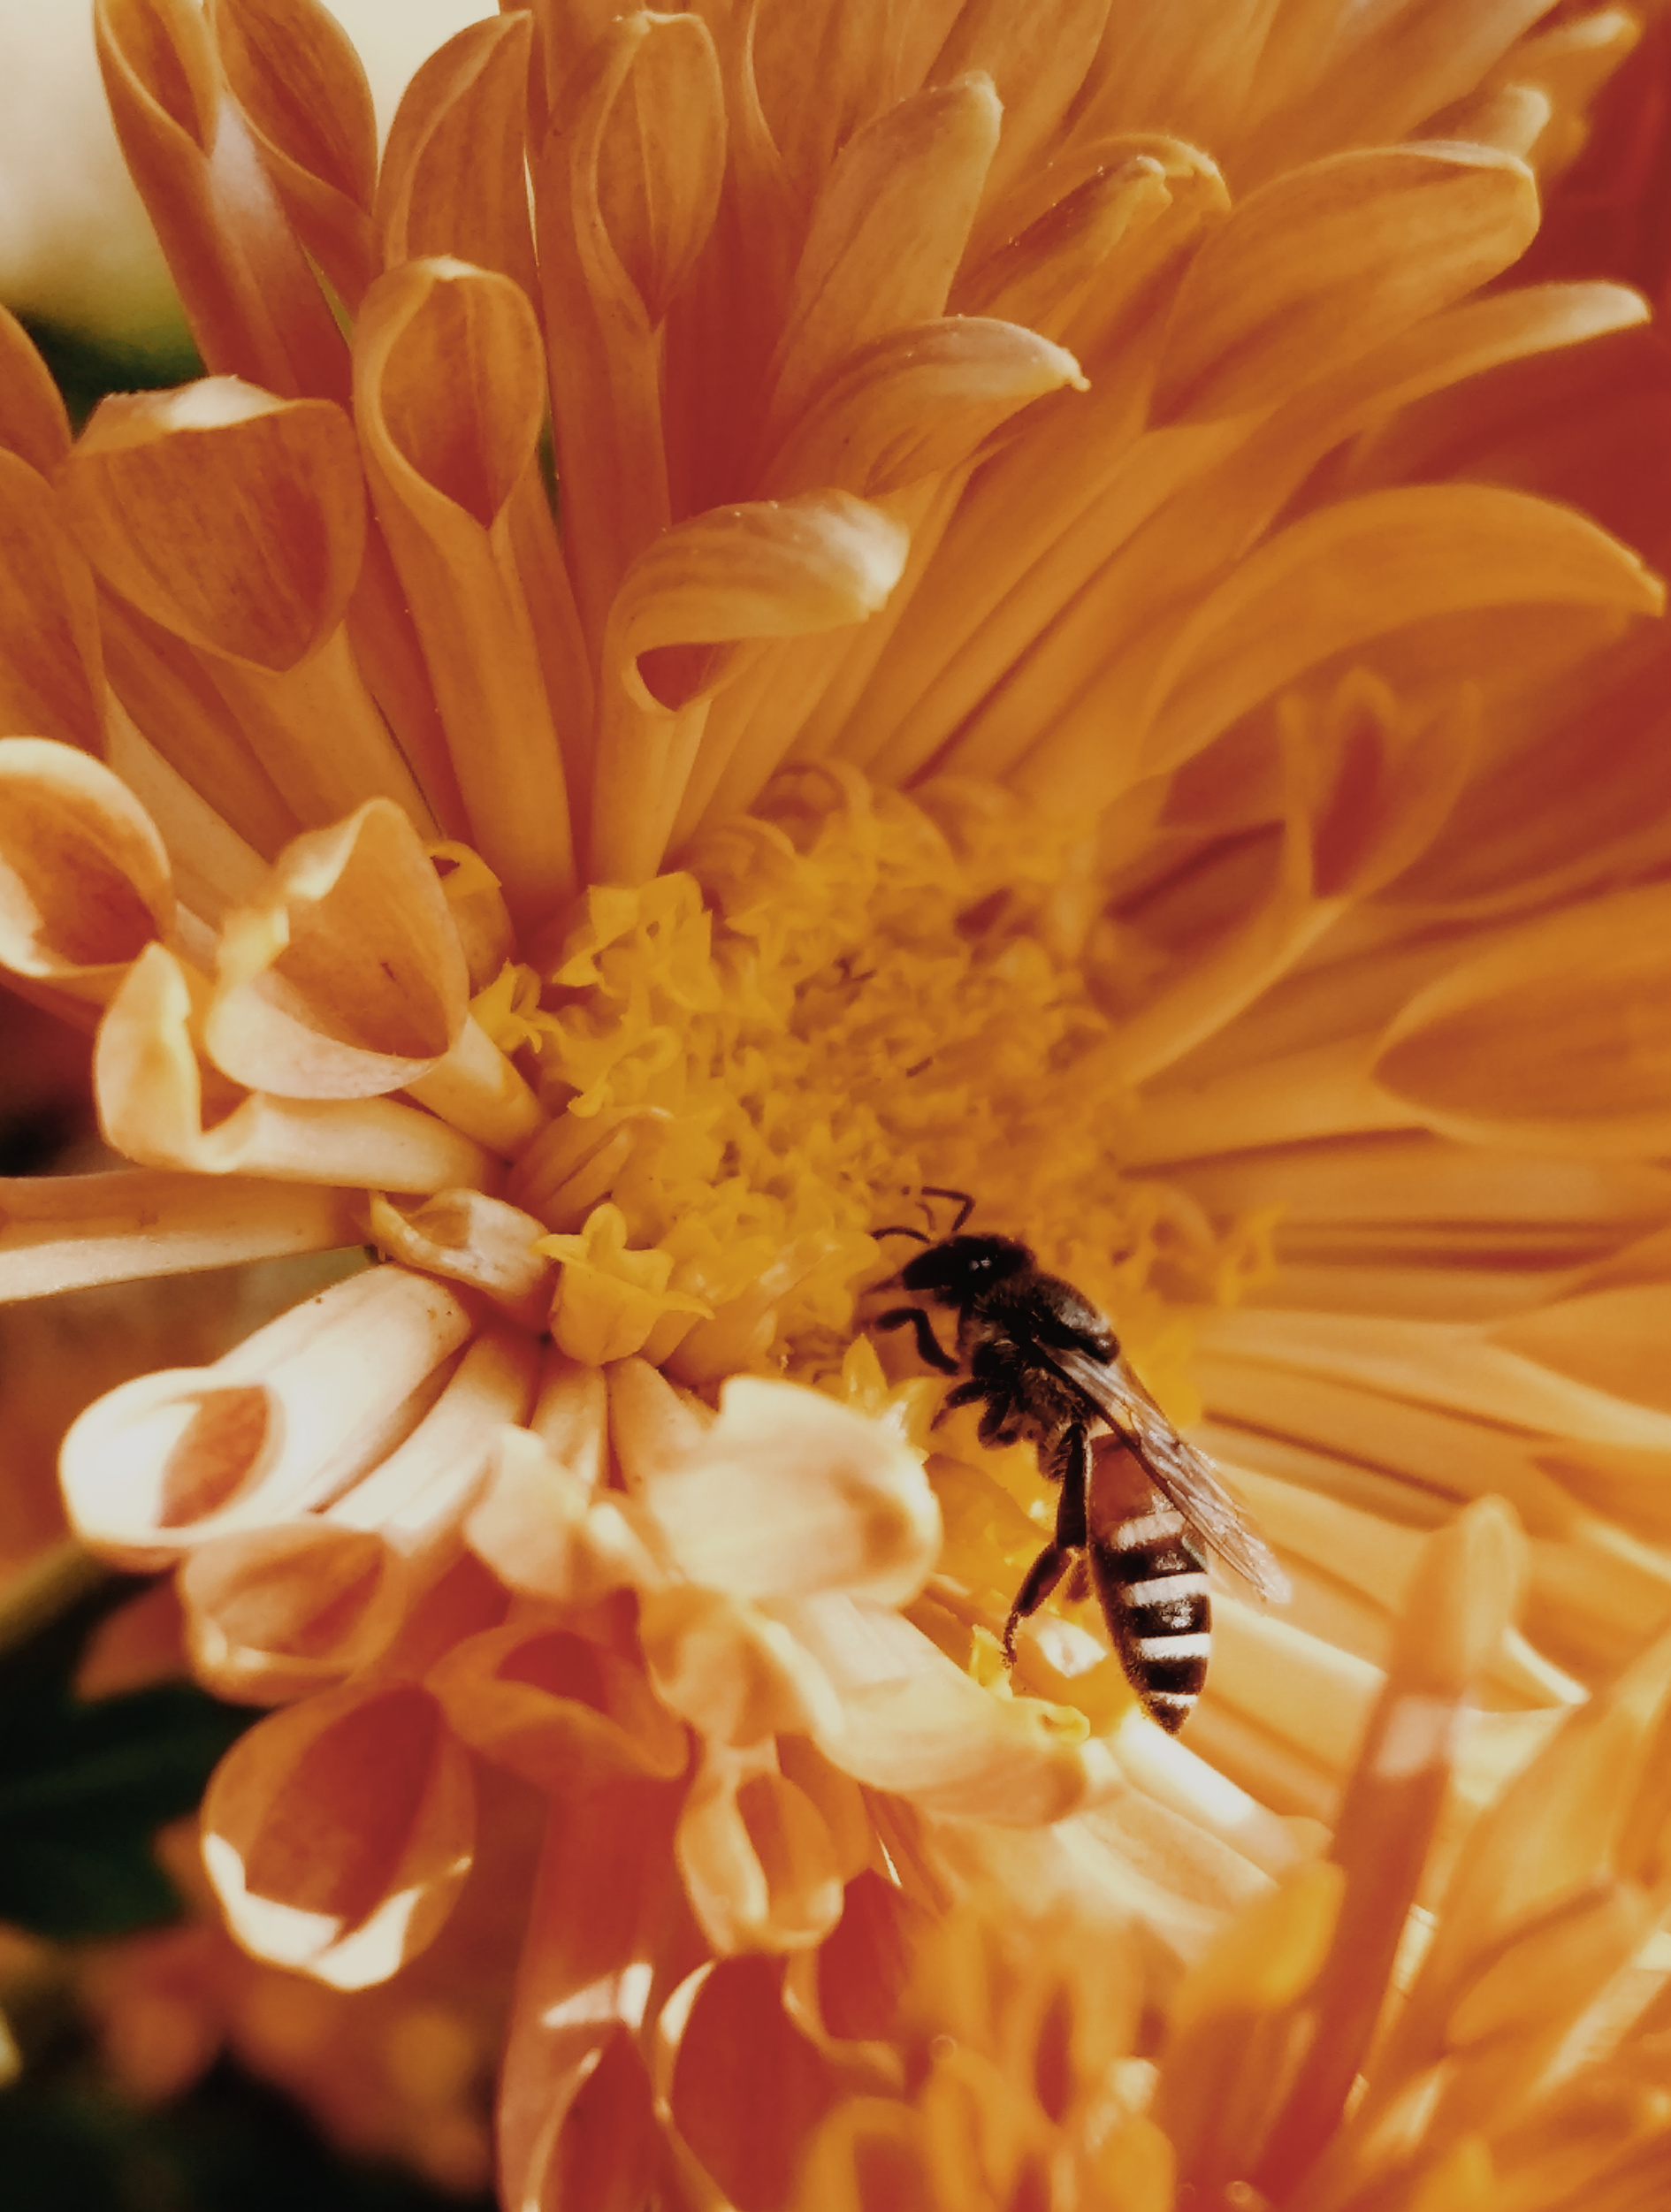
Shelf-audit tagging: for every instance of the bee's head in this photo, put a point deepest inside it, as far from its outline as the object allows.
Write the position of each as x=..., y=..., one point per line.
x=959, y=1269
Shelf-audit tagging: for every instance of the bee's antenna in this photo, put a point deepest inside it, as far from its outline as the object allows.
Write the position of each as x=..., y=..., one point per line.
x=899, y=1230
x=937, y=1190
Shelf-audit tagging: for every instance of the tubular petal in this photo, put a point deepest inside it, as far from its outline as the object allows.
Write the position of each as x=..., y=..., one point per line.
x=337, y=1835
x=287, y=1422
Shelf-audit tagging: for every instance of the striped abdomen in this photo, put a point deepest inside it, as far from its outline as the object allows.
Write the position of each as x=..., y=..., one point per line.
x=1151, y=1581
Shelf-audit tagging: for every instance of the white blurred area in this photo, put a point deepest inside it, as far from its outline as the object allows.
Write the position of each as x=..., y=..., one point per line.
x=76, y=249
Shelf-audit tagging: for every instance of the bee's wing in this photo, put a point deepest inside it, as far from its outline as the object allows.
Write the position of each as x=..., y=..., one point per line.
x=1187, y=1476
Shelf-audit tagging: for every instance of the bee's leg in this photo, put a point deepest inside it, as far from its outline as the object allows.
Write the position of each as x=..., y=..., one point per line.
x=929, y=1349
x=1067, y=1547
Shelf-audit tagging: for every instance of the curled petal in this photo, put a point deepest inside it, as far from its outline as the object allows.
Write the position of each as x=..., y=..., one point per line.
x=286, y=1422
x=272, y=1613
x=1552, y=1040
x=347, y=979
x=236, y=520
x=338, y=1835
x=564, y=1712
x=747, y=2124
x=154, y=1108
x=915, y=402
x=470, y=1238
x=453, y=179
x=889, y=229
x=33, y=421
x=691, y=611
x=84, y=879
x=758, y=1864
x=295, y=73
x=789, y=1492
x=253, y=304
x=453, y=462
x=661, y=154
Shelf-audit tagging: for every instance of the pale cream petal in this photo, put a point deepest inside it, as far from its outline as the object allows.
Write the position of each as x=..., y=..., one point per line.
x=345, y=979
x=737, y=1675
x=913, y=1723
x=66, y=1232
x=152, y=1105
x=85, y=881
x=789, y=1492
x=338, y=1835
x=467, y=1237
x=275, y=1613
x=543, y=1532
x=287, y=1422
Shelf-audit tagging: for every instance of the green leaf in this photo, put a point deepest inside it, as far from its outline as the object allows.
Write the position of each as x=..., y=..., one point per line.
x=85, y=1786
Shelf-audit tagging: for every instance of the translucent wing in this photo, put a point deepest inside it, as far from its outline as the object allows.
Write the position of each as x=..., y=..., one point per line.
x=1187, y=1476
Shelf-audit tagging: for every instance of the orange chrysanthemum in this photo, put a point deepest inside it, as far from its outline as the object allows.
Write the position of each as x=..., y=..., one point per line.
x=960, y=595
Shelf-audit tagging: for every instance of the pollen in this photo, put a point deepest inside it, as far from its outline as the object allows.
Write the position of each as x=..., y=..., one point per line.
x=838, y=1000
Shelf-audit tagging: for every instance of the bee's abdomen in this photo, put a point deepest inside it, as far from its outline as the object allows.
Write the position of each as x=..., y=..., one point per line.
x=1153, y=1584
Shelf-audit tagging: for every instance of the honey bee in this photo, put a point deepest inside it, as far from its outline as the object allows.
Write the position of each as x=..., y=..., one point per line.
x=1140, y=1508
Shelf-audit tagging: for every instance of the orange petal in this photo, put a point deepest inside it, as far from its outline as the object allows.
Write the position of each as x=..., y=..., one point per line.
x=453, y=179
x=295, y=75
x=33, y=421
x=85, y=883
x=67, y=1232
x=51, y=668
x=286, y=1422
x=889, y=227
x=236, y=520
x=1390, y=557
x=338, y=1835
x=1551, y=1040
x=255, y=308
x=748, y=2125
x=685, y=621
x=915, y=402
x=1322, y=263
x=453, y=463
x=625, y=190
x=346, y=979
